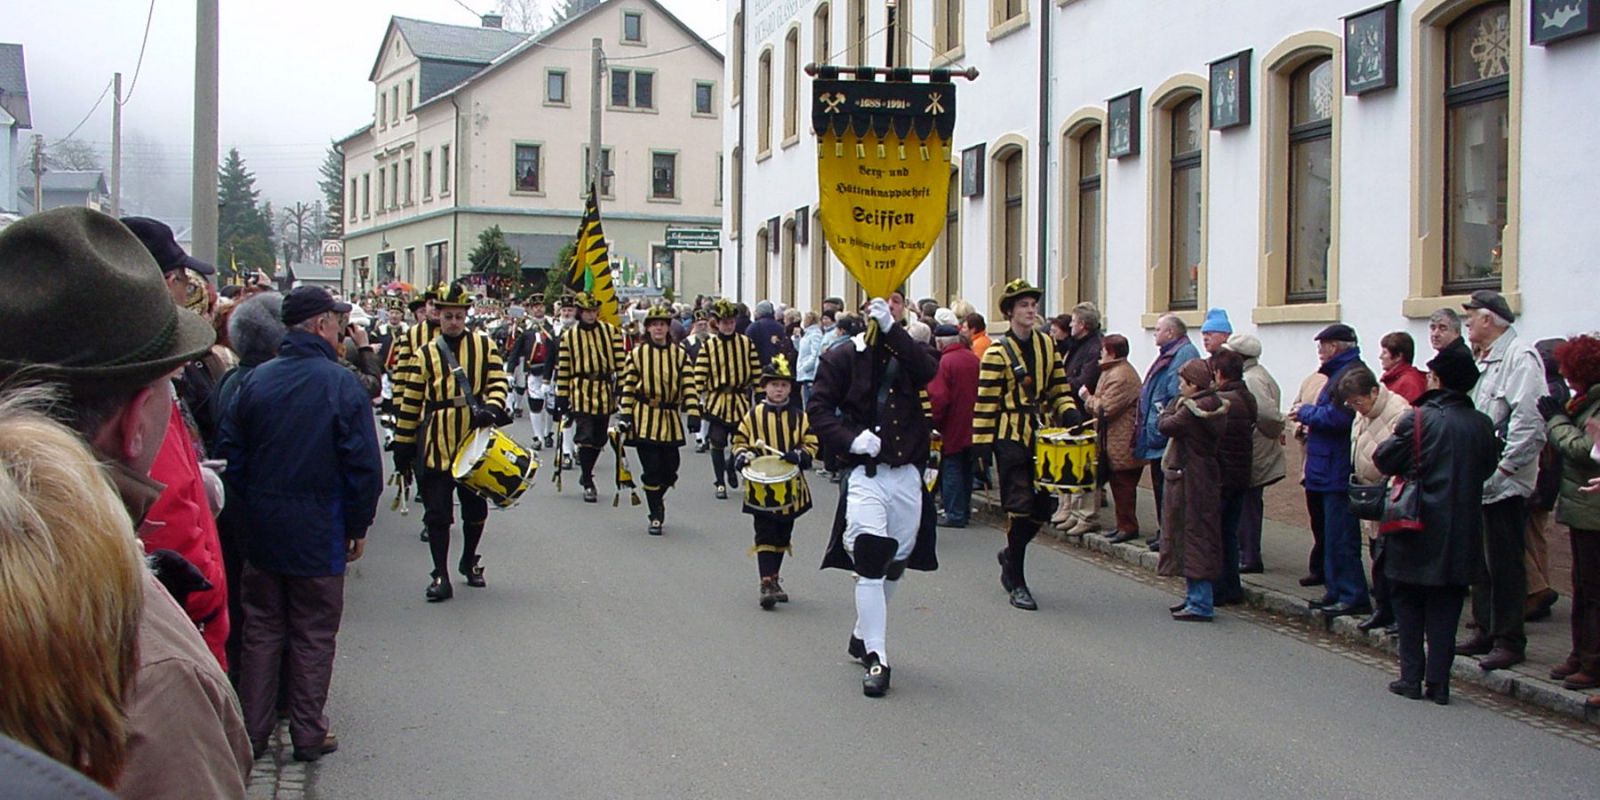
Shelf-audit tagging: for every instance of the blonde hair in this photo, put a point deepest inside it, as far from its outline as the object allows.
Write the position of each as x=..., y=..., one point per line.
x=71, y=594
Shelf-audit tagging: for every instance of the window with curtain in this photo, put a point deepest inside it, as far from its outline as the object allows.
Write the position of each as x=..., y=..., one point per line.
x=947, y=13
x=1012, y=189
x=1477, y=120
x=952, y=240
x=1188, y=132
x=527, y=168
x=1089, y=216
x=856, y=35
x=1311, y=99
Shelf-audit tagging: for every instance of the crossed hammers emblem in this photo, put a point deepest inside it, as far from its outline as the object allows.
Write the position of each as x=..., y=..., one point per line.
x=832, y=102
x=934, y=104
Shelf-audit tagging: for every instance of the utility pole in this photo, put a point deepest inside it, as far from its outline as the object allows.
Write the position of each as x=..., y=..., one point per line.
x=596, y=96
x=38, y=173
x=116, y=146
x=204, y=203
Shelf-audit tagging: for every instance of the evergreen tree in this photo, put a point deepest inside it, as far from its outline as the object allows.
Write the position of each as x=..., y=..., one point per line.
x=497, y=260
x=331, y=182
x=244, y=231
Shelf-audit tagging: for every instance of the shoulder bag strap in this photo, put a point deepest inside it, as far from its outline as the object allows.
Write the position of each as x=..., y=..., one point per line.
x=456, y=370
x=1019, y=369
x=1416, y=444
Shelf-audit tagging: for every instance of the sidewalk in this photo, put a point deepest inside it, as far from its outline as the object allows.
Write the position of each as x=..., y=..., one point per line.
x=1285, y=547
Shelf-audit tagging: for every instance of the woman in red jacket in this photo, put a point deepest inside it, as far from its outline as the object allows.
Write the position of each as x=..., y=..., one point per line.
x=181, y=521
x=953, y=392
x=1396, y=351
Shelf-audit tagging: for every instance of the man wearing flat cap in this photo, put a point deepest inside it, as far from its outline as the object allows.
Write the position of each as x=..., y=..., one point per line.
x=186, y=735
x=1328, y=424
x=1508, y=393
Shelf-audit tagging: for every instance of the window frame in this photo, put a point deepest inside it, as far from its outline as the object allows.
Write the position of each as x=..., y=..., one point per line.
x=1158, y=205
x=354, y=199
x=1003, y=23
x=998, y=152
x=444, y=170
x=1278, y=68
x=427, y=175
x=411, y=93
x=763, y=266
x=622, y=33
x=736, y=63
x=855, y=31
x=383, y=179
x=566, y=87
x=632, y=88
x=1429, y=23
x=1176, y=164
x=409, y=196
x=538, y=168
x=676, y=196
x=948, y=248
x=819, y=273
x=949, y=41
x=711, y=91
x=1479, y=92
x=764, y=104
x=1078, y=125
x=822, y=33
x=366, y=195
x=608, y=183
x=788, y=264
x=791, y=87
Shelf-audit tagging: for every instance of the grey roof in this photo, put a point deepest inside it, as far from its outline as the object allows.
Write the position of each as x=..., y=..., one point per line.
x=74, y=180
x=315, y=271
x=456, y=42
x=14, y=85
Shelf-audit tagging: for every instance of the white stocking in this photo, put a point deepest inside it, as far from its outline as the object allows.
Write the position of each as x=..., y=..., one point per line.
x=872, y=615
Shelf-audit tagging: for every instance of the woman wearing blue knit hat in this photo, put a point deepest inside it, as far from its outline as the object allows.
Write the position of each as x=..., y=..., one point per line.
x=1215, y=331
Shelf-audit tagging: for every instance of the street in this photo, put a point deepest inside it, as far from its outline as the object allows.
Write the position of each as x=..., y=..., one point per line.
x=601, y=662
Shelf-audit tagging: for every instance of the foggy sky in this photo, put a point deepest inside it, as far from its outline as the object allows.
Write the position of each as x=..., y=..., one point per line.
x=293, y=76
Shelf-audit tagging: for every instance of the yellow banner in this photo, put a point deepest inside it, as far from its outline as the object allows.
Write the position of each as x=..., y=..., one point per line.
x=883, y=204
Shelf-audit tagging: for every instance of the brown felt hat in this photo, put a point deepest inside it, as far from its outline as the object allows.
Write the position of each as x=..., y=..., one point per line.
x=85, y=301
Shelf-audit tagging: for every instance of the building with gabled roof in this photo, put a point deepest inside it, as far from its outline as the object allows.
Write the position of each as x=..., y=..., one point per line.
x=15, y=117
x=474, y=127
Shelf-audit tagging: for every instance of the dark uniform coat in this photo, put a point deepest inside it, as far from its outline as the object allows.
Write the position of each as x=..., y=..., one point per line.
x=844, y=402
x=1191, y=524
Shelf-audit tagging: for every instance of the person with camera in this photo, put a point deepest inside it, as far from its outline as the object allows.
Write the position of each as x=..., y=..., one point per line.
x=437, y=414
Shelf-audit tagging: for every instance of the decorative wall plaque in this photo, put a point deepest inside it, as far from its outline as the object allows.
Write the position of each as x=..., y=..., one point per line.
x=1230, y=91
x=1122, y=121
x=1554, y=20
x=1370, y=55
x=972, y=171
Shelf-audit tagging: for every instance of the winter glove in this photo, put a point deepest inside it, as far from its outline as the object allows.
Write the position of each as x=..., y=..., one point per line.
x=177, y=575
x=866, y=444
x=740, y=461
x=404, y=455
x=799, y=458
x=1549, y=407
x=558, y=405
x=483, y=417
x=624, y=425
x=878, y=309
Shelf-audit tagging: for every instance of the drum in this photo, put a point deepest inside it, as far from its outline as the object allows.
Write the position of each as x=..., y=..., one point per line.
x=1065, y=459
x=494, y=467
x=771, y=484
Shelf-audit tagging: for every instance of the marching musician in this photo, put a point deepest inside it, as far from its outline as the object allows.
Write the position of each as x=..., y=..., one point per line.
x=867, y=406
x=567, y=317
x=533, y=348
x=698, y=332
x=590, y=357
x=1020, y=384
x=775, y=427
x=438, y=414
x=724, y=374
x=655, y=388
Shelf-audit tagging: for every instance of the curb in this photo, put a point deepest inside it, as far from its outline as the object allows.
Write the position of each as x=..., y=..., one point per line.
x=1534, y=691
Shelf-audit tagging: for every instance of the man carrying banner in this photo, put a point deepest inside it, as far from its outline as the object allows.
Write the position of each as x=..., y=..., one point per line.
x=866, y=407
x=724, y=375
x=438, y=412
x=532, y=350
x=1020, y=384
x=590, y=358
x=655, y=388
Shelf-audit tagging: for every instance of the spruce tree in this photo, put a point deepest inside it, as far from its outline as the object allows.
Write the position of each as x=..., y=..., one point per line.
x=244, y=232
x=331, y=182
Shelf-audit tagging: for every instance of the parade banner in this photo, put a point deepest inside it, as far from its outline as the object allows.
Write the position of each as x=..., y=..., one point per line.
x=883, y=170
x=590, y=270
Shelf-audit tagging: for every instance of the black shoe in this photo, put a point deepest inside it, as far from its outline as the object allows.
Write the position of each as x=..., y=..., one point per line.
x=1251, y=569
x=1023, y=599
x=777, y=590
x=1479, y=645
x=440, y=590
x=722, y=492
x=1312, y=580
x=566, y=461
x=876, y=682
x=1406, y=689
x=655, y=528
x=474, y=573
x=535, y=445
x=549, y=440
x=1438, y=693
x=1346, y=609
x=589, y=495
x=1155, y=546
x=733, y=479
x=424, y=535
x=1181, y=605
x=1005, y=572
x=257, y=750
x=1501, y=658
x=769, y=595
x=1382, y=618
x=702, y=447
x=1190, y=616
x=1325, y=601
x=944, y=522
x=857, y=649
x=1119, y=537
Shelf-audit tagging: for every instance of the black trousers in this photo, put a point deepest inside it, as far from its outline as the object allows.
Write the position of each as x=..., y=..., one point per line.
x=1318, y=532
x=1497, y=600
x=658, y=472
x=717, y=433
x=589, y=434
x=1381, y=589
x=435, y=488
x=1428, y=613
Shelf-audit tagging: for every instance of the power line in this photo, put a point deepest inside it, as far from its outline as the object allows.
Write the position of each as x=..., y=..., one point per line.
x=86, y=117
x=142, y=42
x=469, y=9
x=708, y=40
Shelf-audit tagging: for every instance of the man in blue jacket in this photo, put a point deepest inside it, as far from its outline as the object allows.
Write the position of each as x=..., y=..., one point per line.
x=1328, y=471
x=1160, y=389
x=303, y=461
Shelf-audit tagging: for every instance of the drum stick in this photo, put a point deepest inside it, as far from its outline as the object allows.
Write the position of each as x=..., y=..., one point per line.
x=769, y=448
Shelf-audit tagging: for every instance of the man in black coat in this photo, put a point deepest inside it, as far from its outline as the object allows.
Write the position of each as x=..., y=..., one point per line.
x=866, y=407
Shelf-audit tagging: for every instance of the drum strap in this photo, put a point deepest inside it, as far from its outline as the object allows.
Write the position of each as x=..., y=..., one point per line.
x=456, y=370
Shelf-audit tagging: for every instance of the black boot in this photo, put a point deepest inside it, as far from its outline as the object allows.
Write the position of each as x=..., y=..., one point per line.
x=876, y=682
x=440, y=589
x=473, y=572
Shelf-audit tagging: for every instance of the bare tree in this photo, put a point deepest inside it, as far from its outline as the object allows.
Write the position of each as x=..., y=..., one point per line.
x=73, y=154
x=523, y=16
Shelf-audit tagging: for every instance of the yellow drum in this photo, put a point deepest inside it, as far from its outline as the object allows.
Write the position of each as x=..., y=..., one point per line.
x=771, y=484
x=1065, y=459
x=495, y=467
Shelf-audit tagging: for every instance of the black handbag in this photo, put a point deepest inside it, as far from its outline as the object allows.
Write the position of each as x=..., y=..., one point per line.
x=1402, y=511
x=1367, y=500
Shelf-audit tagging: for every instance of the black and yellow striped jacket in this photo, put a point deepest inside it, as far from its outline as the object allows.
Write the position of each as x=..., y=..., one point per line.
x=1009, y=411
x=783, y=429
x=588, y=366
x=655, y=388
x=433, y=404
x=400, y=368
x=724, y=375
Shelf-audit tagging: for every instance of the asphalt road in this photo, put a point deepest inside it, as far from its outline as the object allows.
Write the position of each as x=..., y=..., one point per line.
x=601, y=662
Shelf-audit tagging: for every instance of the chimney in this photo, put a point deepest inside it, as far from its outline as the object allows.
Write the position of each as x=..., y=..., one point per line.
x=492, y=20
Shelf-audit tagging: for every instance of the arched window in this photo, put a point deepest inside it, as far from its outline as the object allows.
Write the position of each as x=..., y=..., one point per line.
x=856, y=32
x=764, y=104
x=1310, y=236
x=1087, y=246
x=1185, y=202
x=738, y=58
x=947, y=281
x=791, y=87
x=1477, y=102
x=1015, y=225
x=763, y=262
x=818, y=243
x=1006, y=197
x=790, y=276
x=822, y=35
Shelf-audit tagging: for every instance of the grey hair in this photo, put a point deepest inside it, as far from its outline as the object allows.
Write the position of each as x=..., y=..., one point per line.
x=256, y=327
x=942, y=342
x=1447, y=316
x=1178, y=325
x=1341, y=346
x=1088, y=315
x=1494, y=319
x=765, y=309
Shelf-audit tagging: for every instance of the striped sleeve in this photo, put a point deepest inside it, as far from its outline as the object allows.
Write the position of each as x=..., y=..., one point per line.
x=564, y=371
x=754, y=362
x=619, y=352
x=691, y=386
x=495, y=384
x=630, y=384
x=408, y=400
x=807, y=437
x=744, y=438
x=991, y=382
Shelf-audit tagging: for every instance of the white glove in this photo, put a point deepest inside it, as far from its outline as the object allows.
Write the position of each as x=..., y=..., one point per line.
x=216, y=496
x=878, y=309
x=866, y=444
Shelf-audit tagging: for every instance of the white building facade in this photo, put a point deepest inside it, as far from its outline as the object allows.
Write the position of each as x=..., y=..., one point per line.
x=1280, y=194
x=477, y=127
